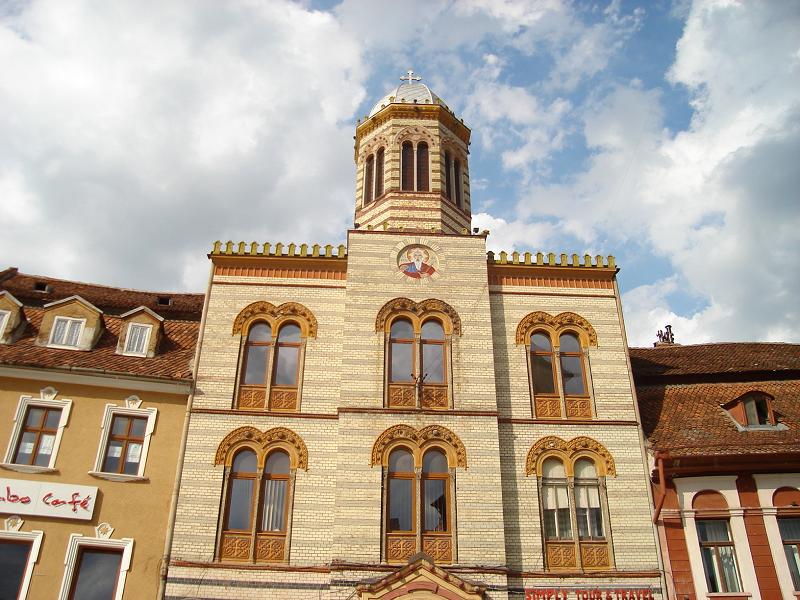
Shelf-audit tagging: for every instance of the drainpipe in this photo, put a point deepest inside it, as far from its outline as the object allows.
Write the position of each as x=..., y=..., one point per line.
x=173, y=505
x=662, y=484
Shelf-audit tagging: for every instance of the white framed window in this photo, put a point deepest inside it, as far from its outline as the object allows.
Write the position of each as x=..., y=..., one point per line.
x=4, y=314
x=97, y=565
x=36, y=433
x=66, y=332
x=124, y=441
x=19, y=551
x=137, y=339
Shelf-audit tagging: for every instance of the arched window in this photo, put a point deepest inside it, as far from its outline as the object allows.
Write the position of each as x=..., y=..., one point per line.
x=448, y=183
x=457, y=181
x=258, y=492
x=379, y=160
x=273, y=350
x=573, y=502
x=407, y=166
x=418, y=353
x=369, y=169
x=558, y=364
x=241, y=489
x=422, y=167
x=419, y=468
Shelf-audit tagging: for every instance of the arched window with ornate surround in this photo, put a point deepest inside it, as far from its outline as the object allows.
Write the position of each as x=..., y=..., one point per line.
x=272, y=356
x=419, y=468
x=418, y=337
x=258, y=488
x=571, y=480
x=558, y=375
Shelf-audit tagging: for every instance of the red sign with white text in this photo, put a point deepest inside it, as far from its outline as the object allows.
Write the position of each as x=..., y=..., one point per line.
x=44, y=499
x=590, y=593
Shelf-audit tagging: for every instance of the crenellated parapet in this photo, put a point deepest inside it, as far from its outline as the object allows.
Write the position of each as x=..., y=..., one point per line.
x=230, y=248
x=551, y=259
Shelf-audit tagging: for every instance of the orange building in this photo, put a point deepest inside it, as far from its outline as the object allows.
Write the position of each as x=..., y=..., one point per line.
x=94, y=383
x=723, y=423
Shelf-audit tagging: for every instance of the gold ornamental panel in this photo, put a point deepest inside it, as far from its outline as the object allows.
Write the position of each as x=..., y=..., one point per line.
x=252, y=397
x=434, y=396
x=579, y=408
x=595, y=556
x=547, y=408
x=235, y=547
x=270, y=548
x=561, y=555
x=283, y=399
x=400, y=547
x=401, y=395
x=439, y=548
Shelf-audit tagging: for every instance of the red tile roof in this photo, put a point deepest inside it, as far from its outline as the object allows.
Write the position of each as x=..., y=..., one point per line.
x=681, y=390
x=174, y=354
x=708, y=359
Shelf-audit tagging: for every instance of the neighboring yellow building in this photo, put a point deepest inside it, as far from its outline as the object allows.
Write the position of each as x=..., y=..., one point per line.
x=94, y=384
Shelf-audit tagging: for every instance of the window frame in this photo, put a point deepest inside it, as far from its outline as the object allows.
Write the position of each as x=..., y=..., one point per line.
x=269, y=387
x=794, y=570
x=715, y=545
x=5, y=317
x=19, y=424
x=111, y=411
x=76, y=543
x=52, y=344
x=369, y=180
x=755, y=398
x=34, y=538
x=149, y=331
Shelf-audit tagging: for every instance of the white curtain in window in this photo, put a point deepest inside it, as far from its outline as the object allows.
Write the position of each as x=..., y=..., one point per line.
x=274, y=502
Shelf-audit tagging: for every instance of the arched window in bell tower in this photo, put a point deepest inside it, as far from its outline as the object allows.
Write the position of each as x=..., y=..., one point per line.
x=379, y=173
x=422, y=167
x=448, y=184
x=457, y=181
x=369, y=169
x=407, y=167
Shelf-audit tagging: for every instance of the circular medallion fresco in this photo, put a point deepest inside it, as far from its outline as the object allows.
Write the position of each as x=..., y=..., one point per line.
x=417, y=261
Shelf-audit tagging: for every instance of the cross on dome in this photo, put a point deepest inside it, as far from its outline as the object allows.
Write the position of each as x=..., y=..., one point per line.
x=410, y=77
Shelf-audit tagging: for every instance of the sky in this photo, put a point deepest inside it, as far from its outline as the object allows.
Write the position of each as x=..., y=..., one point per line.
x=134, y=134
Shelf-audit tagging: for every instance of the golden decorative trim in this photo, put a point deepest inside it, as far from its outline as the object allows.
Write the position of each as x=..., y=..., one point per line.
x=571, y=450
x=547, y=407
x=263, y=441
x=266, y=309
x=579, y=408
x=400, y=548
x=561, y=555
x=595, y=556
x=419, y=309
x=562, y=321
x=419, y=439
x=439, y=548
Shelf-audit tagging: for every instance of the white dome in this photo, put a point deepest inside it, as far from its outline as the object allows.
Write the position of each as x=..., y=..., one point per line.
x=407, y=93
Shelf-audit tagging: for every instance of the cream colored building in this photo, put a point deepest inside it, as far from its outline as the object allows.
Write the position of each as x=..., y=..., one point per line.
x=409, y=415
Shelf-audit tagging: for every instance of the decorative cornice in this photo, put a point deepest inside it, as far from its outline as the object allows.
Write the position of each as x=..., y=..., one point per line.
x=287, y=309
x=230, y=248
x=419, y=438
x=563, y=260
x=561, y=321
x=263, y=440
x=419, y=309
x=571, y=449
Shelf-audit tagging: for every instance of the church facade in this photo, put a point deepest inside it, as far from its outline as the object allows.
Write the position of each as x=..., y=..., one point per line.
x=410, y=414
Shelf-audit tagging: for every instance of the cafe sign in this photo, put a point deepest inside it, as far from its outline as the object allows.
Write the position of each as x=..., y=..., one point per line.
x=45, y=499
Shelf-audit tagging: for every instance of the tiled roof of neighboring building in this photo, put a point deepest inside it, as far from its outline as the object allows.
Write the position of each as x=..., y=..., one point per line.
x=175, y=351
x=110, y=300
x=685, y=416
x=711, y=359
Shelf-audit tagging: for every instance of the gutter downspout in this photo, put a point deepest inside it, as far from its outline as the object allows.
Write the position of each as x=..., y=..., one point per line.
x=662, y=485
x=173, y=505
x=649, y=486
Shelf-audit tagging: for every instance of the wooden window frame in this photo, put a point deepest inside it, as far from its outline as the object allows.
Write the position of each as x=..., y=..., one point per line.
x=46, y=401
x=34, y=541
x=380, y=175
x=369, y=179
x=269, y=395
x=755, y=399
x=126, y=439
x=74, y=547
x=415, y=394
x=575, y=405
x=793, y=573
x=543, y=403
x=111, y=411
x=715, y=548
x=38, y=431
x=262, y=547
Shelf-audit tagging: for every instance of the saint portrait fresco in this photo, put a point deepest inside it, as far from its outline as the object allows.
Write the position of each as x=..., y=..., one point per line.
x=417, y=262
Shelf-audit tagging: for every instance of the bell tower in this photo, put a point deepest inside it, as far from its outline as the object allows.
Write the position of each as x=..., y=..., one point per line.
x=412, y=169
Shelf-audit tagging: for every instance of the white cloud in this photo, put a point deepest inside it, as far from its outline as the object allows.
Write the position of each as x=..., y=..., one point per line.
x=139, y=137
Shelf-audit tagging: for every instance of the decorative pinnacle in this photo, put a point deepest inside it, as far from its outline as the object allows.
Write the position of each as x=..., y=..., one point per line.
x=410, y=77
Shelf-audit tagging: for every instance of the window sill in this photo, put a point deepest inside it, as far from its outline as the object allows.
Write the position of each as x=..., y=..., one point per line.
x=121, y=477
x=27, y=468
x=728, y=595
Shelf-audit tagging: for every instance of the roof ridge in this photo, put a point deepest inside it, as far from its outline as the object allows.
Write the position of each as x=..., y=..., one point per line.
x=97, y=285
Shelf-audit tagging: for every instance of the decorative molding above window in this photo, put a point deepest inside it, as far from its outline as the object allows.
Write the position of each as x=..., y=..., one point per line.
x=569, y=452
x=556, y=325
x=276, y=314
x=419, y=440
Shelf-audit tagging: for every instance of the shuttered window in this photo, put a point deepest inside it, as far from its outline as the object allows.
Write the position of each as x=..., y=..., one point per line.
x=407, y=167
x=422, y=167
x=457, y=181
x=368, y=175
x=379, y=173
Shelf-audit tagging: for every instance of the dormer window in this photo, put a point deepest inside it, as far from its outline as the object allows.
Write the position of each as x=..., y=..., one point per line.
x=164, y=301
x=4, y=315
x=41, y=286
x=137, y=339
x=66, y=332
x=757, y=411
x=753, y=411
